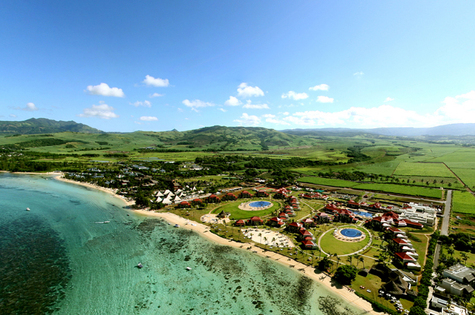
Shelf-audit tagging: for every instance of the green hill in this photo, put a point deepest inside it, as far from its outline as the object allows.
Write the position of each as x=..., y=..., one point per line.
x=222, y=138
x=41, y=126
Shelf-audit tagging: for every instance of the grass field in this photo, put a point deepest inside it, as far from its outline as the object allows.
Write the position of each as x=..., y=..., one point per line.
x=236, y=213
x=402, y=190
x=331, y=245
x=422, y=169
x=389, y=188
x=327, y=181
x=463, y=202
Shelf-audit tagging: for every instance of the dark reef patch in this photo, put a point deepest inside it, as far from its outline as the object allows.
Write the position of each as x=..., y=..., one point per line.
x=34, y=267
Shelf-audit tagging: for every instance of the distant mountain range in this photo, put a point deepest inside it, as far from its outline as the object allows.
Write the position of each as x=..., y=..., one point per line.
x=43, y=125
x=444, y=130
x=252, y=136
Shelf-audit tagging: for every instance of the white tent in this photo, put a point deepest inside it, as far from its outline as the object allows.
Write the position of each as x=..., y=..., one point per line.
x=167, y=201
x=159, y=194
x=159, y=199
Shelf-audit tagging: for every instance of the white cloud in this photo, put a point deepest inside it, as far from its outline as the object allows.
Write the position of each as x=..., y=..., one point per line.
x=180, y=110
x=196, y=104
x=255, y=106
x=458, y=109
x=270, y=118
x=151, y=81
x=222, y=109
x=144, y=104
x=324, y=99
x=388, y=99
x=286, y=114
x=358, y=74
x=13, y=115
x=321, y=87
x=102, y=111
x=246, y=91
x=248, y=120
x=148, y=118
x=295, y=96
x=381, y=116
x=155, y=95
x=30, y=107
x=104, y=90
x=233, y=101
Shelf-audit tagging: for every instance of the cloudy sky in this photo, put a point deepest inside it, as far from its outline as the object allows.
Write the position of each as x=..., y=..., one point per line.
x=160, y=65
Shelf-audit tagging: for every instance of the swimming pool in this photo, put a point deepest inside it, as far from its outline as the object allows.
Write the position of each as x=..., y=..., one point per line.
x=259, y=204
x=351, y=232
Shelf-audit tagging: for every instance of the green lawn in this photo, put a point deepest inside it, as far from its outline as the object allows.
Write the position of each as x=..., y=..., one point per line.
x=236, y=213
x=331, y=245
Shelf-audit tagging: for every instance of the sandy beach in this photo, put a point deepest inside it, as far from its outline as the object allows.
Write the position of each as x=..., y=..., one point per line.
x=308, y=271
x=59, y=176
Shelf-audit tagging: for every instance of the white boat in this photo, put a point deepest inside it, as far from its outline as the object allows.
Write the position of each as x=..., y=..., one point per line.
x=27, y=209
x=188, y=268
x=139, y=265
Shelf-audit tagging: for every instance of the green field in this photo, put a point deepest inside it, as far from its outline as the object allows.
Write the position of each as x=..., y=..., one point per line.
x=423, y=169
x=388, y=188
x=327, y=181
x=402, y=190
x=463, y=202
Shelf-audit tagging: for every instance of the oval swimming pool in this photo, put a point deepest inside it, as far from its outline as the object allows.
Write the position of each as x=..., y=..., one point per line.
x=259, y=204
x=351, y=232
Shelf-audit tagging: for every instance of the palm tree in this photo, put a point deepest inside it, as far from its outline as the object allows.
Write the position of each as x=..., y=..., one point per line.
x=260, y=234
x=450, y=250
x=350, y=259
x=464, y=257
x=362, y=260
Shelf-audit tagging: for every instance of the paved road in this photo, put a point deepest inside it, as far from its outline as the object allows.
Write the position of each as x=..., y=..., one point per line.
x=446, y=218
x=444, y=230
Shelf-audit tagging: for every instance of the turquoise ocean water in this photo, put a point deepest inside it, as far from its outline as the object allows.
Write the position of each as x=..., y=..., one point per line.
x=57, y=258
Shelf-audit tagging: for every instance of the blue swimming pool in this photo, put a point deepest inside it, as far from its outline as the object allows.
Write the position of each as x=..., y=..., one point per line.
x=363, y=214
x=259, y=204
x=351, y=232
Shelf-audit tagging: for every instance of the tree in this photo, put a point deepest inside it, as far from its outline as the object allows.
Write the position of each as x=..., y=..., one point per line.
x=329, y=305
x=325, y=264
x=345, y=274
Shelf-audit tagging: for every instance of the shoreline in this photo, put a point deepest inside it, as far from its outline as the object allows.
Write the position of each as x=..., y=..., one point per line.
x=59, y=176
x=205, y=232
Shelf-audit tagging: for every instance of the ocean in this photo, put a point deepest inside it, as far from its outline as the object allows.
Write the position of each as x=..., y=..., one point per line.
x=61, y=258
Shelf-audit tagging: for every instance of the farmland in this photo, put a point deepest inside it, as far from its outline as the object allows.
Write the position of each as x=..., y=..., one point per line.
x=463, y=202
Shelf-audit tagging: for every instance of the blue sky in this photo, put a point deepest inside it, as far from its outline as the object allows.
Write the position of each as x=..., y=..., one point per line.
x=162, y=65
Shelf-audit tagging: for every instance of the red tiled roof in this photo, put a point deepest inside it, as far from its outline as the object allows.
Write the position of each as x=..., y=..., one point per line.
x=308, y=243
x=255, y=219
x=197, y=200
x=400, y=241
x=404, y=256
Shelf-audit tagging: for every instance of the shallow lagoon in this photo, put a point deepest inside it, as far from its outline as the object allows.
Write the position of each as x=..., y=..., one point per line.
x=62, y=260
